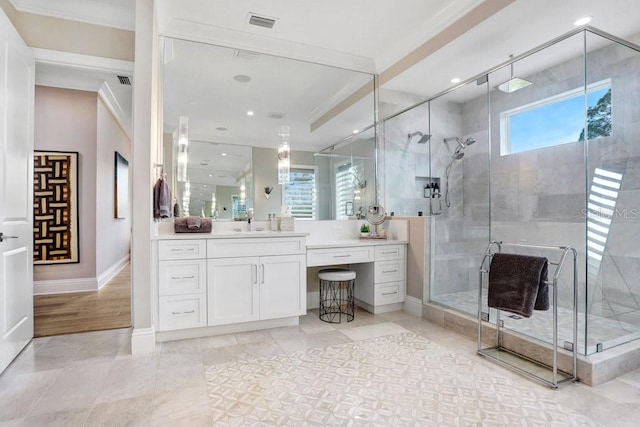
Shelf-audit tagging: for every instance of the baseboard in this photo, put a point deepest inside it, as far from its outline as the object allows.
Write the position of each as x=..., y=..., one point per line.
x=87, y=284
x=110, y=272
x=65, y=286
x=313, y=300
x=143, y=341
x=412, y=305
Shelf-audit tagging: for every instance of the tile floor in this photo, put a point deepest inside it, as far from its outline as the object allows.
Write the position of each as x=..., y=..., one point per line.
x=91, y=379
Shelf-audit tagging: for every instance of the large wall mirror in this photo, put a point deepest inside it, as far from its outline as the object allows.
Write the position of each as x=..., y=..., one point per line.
x=223, y=111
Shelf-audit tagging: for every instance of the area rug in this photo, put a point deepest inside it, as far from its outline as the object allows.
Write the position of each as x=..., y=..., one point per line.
x=393, y=380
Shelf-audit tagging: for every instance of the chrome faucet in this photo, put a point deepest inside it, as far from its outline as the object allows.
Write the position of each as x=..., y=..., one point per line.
x=249, y=218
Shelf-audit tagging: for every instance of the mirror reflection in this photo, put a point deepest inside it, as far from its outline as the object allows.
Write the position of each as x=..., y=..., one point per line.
x=222, y=131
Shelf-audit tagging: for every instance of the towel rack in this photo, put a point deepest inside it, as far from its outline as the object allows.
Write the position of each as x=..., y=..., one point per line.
x=519, y=362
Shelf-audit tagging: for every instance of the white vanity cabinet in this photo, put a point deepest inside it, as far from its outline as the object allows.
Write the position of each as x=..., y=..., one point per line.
x=182, y=279
x=388, y=279
x=258, y=287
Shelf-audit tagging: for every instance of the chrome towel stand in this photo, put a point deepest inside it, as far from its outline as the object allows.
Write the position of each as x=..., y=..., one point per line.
x=507, y=358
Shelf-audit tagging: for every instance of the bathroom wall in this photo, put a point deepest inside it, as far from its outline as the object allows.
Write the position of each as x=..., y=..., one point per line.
x=65, y=120
x=113, y=235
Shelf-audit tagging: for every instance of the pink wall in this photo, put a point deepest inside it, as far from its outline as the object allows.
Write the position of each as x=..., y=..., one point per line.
x=112, y=235
x=65, y=120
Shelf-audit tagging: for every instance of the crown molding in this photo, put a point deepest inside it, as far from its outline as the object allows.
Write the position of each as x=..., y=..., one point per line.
x=106, y=14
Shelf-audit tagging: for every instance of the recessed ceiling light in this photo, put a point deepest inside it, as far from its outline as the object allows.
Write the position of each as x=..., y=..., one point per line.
x=221, y=128
x=224, y=154
x=249, y=113
x=583, y=21
x=455, y=80
x=356, y=131
x=210, y=175
x=242, y=78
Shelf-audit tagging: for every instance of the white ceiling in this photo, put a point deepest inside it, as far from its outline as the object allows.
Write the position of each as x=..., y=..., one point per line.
x=365, y=35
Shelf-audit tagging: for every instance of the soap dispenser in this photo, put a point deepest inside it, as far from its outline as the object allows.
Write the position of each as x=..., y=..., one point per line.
x=436, y=199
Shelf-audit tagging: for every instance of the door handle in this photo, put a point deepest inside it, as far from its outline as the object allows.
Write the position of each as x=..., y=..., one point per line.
x=262, y=268
x=2, y=237
x=254, y=273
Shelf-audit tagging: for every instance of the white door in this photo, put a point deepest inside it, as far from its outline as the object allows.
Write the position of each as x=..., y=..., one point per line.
x=283, y=286
x=16, y=206
x=232, y=290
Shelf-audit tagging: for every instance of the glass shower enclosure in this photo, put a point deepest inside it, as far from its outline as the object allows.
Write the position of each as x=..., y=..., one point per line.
x=542, y=149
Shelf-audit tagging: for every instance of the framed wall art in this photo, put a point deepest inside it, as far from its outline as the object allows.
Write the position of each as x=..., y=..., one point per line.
x=121, y=187
x=55, y=207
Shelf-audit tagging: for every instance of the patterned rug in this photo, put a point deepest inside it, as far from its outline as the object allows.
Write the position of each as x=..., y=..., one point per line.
x=388, y=381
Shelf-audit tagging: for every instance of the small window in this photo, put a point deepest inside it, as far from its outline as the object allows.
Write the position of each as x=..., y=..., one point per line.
x=348, y=189
x=557, y=120
x=238, y=207
x=300, y=193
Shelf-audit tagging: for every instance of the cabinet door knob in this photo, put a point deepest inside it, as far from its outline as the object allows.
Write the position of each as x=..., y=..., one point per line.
x=262, y=268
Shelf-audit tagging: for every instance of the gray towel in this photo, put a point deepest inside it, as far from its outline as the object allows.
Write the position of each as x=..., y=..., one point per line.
x=161, y=199
x=517, y=283
x=193, y=222
x=181, y=225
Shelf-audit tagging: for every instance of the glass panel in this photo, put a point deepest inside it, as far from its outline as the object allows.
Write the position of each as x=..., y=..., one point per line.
x=612, y=214
x=538, y=195
x=406, y=149
x=459, y=161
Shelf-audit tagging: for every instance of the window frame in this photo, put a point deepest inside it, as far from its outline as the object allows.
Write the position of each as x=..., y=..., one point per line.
x=505, y=129
x=314, y=196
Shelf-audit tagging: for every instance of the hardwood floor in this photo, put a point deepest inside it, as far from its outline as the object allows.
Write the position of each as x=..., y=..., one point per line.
x=108, y=308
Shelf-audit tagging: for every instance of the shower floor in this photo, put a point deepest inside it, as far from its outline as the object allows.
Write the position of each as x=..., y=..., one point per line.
x=606, y=331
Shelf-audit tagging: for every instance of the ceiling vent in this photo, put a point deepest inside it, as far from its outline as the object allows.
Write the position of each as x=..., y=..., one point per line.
x=274, y=115
x=261, y=21
x=124, y=80
x=245, y=54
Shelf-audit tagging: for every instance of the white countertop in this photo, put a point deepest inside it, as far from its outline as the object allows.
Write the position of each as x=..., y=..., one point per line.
x=345, y=243
x=229, y=235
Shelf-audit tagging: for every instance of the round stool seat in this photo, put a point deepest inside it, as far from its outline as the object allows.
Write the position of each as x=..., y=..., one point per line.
x=335, y=275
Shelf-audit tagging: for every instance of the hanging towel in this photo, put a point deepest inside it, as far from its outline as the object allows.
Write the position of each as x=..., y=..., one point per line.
x=161, y=199
x=517, y=282
x=181, y=225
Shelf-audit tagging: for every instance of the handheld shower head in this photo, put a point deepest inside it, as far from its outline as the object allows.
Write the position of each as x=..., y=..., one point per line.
x=458, y=154
x=469, y=141
x=424, y=138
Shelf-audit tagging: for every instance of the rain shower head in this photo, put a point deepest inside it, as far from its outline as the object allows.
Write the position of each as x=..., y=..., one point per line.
x=514, y=83
x=424, y=138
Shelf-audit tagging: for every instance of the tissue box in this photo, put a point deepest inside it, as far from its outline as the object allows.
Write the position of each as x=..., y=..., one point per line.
x=287, y=223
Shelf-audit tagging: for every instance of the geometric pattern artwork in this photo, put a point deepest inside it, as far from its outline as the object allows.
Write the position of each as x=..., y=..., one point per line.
x=55, y=207
x=401, y=379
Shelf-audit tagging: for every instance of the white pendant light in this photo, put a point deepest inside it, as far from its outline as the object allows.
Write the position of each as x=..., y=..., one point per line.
x=183, y=147
x=284, y=153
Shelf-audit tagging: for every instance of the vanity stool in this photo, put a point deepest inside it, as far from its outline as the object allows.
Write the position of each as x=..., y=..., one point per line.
x=336, y=295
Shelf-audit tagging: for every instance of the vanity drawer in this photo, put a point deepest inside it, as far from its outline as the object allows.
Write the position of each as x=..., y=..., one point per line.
x=182, y=249
x=334, y=256
x=389, y=271
x=183, y=277
x=256, y=246
x=386, y=252
x=387, y=293
x=182, y=312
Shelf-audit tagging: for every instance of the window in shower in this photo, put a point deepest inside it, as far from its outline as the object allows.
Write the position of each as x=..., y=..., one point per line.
x=557, y=120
